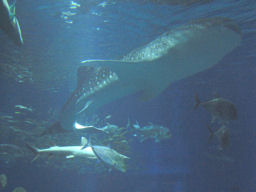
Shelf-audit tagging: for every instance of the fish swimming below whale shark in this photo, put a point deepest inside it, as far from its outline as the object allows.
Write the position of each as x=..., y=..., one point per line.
x=86, y=150
x=150, y=69
x=9, y=22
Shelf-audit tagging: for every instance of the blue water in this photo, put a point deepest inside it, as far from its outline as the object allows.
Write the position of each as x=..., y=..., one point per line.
x=53, y=50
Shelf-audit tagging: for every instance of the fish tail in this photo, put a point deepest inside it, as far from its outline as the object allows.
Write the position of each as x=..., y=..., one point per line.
x=33, y=150
x=211, y=133
x=197, y=100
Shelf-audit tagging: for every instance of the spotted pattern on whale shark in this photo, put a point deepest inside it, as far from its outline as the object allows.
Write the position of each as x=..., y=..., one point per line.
x=96, y=84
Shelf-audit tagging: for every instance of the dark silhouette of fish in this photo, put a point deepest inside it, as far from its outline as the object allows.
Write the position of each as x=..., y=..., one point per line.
x=9, y=22
x=222, y=135
x=220, y=108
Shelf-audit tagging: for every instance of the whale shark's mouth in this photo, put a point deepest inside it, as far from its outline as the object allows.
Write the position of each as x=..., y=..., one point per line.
x=175, y=55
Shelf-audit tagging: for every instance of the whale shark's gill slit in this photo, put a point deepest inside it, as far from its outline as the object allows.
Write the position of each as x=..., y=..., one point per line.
x=91, y=80
x=87, y=104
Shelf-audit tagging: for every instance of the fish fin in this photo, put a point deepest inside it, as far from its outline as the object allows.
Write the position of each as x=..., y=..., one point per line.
x=124, y=157
x=87, y=104
x=33, y=150
x=197, y=100
x=53, y=129
x=70, y=156
x=211, y=133
x=84, y=141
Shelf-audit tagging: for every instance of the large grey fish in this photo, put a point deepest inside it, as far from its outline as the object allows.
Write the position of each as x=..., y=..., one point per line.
x=220, y=109
x=9, y=22
x=110, y=157
x=175, y=55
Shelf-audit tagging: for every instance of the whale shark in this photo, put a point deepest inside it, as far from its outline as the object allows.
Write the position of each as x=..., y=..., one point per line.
x=9, y=22
x=150, y=69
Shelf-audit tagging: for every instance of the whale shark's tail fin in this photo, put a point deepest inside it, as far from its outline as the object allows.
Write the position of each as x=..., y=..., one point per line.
x=55, y=128
x=33, y=150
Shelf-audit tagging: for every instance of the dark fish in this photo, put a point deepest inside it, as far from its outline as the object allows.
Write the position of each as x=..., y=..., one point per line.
x=219, y=108
x=9, y=22
x=222, y=135
x=151, y=131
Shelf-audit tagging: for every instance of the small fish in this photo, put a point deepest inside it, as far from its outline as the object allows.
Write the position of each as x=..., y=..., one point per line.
x=22, y=107
x=151, y=131
x=108, y=117
x=220, y=108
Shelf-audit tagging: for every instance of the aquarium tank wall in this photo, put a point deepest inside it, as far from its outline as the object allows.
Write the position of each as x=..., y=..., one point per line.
x=127, y=95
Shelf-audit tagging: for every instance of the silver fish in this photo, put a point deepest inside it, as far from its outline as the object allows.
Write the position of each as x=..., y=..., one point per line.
x=110, y=157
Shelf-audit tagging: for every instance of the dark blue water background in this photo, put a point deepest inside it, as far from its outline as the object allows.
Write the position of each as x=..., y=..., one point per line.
x=177, y=165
